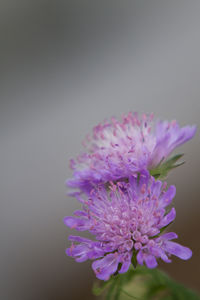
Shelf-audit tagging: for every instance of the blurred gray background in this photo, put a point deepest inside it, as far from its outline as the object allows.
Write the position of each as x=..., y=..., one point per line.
x=66, y=65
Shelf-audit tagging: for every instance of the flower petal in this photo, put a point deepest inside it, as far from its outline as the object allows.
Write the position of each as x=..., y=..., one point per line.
x=140, y=257
x=183, y=135
x=156, y=187
x=150, y=261
x=157, y=251
x=168, y=218
x=80, y=239
x=79, y=252
x=78, y=224
x=169, y=236
x=106, y=266
x=178, y=250
x=126, y=262
x=168, y=196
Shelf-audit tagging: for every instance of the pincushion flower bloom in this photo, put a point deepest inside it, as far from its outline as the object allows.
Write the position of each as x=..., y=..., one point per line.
x=127, y=222
x=119, y=149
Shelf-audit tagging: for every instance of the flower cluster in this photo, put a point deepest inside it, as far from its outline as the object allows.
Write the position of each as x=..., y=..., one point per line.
x=128, y=219
x=123, y=206
x=119, y=149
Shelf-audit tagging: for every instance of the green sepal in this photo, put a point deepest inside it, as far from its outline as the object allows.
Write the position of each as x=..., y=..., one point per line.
x=163, y=168
x=134, y=259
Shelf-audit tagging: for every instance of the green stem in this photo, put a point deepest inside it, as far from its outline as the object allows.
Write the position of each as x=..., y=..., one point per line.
x=131, y=296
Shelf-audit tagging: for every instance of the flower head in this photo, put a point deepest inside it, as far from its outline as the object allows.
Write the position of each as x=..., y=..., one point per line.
x=127, y=222
x=118, y=149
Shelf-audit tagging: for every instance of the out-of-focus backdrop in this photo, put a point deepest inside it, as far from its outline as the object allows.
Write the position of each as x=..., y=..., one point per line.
x=66, y=65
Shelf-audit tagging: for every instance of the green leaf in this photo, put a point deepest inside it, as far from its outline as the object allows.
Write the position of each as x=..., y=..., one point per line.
x=144, y=284
x=163, y=168
x=163, y=287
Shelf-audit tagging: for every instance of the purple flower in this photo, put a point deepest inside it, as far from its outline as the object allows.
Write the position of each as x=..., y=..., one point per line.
x=127, y=221
x=118, y=149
